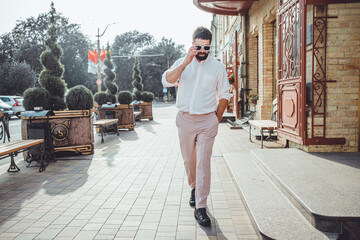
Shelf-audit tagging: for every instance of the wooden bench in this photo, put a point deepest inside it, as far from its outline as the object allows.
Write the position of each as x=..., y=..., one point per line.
x=13, y=148
x=265, y=125
x=262, y=125
x=137, y=115
x=103, y=123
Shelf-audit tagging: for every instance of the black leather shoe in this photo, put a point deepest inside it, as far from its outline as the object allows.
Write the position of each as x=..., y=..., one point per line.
x=192, y=198
x=201, y=217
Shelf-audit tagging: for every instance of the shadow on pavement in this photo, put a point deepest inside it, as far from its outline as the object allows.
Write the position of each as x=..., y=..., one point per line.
x=214, y=230
x=126, y=135
x=148, y=125
x=19, y=191
x=350, y=159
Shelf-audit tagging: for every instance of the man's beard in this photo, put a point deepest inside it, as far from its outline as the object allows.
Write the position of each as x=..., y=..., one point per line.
x=201, y=58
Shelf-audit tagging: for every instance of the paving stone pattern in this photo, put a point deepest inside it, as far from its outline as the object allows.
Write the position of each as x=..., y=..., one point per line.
x=133, y=187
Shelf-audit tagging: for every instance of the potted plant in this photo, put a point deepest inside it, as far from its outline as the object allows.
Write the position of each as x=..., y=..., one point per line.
x=253, y=98
x=107, y=100
x=124, y=111
x=108, y=96
x=231, y=77
x=146, y=105
x=71, y=130
x=143, y=99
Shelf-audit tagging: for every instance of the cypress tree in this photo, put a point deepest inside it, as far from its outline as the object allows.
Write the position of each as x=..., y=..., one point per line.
x=138, y=86
x=112, y=88
x=51, y=76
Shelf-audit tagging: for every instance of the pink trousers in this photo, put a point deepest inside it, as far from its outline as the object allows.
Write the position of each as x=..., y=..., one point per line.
x=197, y=133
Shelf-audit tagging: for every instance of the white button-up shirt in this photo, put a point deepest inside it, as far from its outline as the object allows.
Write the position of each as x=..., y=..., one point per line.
x=201, y=84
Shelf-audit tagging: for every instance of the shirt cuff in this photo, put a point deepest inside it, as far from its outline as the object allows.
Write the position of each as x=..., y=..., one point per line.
x=164, y=82
x=226, y=96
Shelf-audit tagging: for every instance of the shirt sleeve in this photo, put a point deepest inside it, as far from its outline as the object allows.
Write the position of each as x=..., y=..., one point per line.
x=164, y=82
x=223, y=86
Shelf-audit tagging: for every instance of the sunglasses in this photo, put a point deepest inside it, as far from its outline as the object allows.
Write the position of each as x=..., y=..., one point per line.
x=206, y=48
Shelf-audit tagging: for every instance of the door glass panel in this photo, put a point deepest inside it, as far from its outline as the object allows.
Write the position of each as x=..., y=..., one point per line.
x=284, y=1
x=290, y=37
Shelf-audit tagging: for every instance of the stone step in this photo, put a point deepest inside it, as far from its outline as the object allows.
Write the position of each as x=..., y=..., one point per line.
x=272, y=214
x=324, y=187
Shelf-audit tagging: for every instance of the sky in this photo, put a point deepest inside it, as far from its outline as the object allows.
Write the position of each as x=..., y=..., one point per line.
x=174, y=19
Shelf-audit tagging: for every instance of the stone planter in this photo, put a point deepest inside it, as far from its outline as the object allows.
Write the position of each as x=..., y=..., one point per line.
x=145, y=110
x=123, y=112
x=71, y=131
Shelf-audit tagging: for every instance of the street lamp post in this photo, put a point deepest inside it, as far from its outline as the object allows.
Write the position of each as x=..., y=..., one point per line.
x=98, y=56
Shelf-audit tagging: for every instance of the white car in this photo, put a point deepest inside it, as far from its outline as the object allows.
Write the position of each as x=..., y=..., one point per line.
x=6, y=109
x=15, y=103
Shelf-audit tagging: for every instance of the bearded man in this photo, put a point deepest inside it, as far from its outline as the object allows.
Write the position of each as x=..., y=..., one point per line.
x=203, y=94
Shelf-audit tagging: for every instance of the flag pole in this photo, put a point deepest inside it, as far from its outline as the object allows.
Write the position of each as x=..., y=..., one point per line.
x=98, y=62
x=98, y=56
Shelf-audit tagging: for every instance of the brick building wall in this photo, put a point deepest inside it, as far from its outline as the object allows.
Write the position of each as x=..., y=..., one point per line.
x=267, y=65
x=260, y=49
x=343, y=63
x=252, y=68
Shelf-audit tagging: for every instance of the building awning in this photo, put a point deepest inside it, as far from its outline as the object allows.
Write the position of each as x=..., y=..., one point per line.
x=225, y=7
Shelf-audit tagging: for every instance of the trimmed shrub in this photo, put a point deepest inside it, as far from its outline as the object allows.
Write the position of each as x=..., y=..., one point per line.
x=103, y=98
x=36, y=97
x=111, y=86
x=137, y=95
x=148, y=96
x=79, y=98
x=50, y=77
x=125, y=97
x=138, y=86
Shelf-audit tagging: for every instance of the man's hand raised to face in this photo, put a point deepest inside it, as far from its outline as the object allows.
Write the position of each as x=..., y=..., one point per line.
x=190, y=56
x=173, y=75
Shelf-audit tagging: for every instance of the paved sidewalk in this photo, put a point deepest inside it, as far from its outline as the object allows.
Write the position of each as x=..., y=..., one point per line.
x=133, y=187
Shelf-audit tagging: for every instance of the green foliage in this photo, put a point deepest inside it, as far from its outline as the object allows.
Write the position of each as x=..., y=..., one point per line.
x=112, y=98
x=26, y=40
x=6, y=48
x=152, y=68
x=52, y=83
x=57, y=103
x=128, y=44
x=51, y=76
x=138, y=86
x=51, y=63
x=148, y=96
x=110, y=75
x=103, y=98
x=79, y=98
x=36, y=97
x=125, y=97
x=16, y=78
x=137, y=95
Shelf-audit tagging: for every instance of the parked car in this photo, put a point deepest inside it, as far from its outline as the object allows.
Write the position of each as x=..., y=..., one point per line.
x=15, y=102
x=6, y=109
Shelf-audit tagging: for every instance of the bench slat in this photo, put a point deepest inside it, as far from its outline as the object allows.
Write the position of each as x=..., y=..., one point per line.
x=10, y=147
x=104, y=122
x=264, y=124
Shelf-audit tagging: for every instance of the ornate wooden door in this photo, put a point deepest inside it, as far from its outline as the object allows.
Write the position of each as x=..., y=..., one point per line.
x=291, y=72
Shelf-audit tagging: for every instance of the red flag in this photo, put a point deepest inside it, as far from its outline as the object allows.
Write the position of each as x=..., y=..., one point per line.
x=102, y=55
x=96, y=56
x=92, y=56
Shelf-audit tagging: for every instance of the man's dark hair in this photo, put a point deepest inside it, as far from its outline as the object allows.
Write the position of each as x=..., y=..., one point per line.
x=202, y=33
